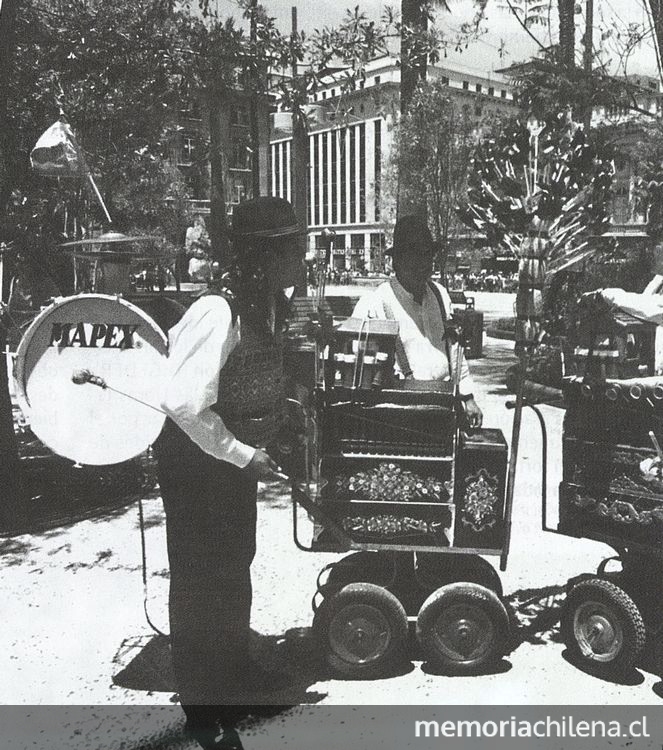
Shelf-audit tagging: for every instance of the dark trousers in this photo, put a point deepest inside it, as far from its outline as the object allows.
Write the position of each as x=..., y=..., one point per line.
x=211, y=531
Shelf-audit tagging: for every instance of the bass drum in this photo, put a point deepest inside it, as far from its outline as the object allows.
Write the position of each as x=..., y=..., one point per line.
x=89, y=371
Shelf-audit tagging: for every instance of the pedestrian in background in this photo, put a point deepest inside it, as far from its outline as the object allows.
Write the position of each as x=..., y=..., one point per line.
x=197, y=246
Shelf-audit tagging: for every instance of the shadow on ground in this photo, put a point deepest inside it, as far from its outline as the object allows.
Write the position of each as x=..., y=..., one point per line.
x=145, y=664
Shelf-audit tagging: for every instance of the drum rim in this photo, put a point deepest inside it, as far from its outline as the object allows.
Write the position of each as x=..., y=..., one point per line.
x=21, y=351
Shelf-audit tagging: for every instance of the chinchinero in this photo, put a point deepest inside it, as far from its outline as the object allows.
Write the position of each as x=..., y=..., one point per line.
x=93, y=335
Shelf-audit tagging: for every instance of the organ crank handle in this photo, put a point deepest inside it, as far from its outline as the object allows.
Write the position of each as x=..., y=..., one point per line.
x=80, y=377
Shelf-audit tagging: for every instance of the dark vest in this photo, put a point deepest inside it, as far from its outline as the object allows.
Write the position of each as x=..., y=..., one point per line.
x=251, y=387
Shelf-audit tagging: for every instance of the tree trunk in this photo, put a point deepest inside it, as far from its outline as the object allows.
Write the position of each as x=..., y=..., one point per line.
x=218, y=222
x=300, y=176
x=656, y=11
x=566, y=13
x=11, y=496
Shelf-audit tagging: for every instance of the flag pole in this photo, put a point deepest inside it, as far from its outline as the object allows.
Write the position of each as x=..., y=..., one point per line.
x=99, y=198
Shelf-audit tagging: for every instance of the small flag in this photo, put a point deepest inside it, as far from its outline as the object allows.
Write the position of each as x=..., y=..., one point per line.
x=56, y=153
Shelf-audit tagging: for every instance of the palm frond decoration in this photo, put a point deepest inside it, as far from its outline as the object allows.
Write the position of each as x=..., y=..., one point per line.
x=540, y=191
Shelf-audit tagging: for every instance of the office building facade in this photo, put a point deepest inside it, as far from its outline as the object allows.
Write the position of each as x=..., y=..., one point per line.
x=350, y=141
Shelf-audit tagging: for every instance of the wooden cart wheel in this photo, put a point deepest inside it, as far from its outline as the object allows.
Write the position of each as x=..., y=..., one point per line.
x=361, y=629
x=602, y=627
x=435, y=570
x=463, y=627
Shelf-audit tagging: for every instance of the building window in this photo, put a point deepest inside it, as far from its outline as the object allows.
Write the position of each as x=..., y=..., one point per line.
x=377, y=240
x=466, y=85
x=309, y=183
x=357, y=242
x=325, y=178
x=353, y=177
x=376, y=80
x=334, y=135
x=362, y=83
x=188, y=147
x=240, y=189
x=491, y=91
x=324, y=94
x=318, y=172
x=344, y=161
x=377, y=165
x=239, y=155
x=332, y=93
x=478, y=88
x=503, y=94
x=239, y=115
x=445, y=80
x=362, y=172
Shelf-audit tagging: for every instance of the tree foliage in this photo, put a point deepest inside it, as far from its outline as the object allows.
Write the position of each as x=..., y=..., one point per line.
x=434, y=142
x=112, y=80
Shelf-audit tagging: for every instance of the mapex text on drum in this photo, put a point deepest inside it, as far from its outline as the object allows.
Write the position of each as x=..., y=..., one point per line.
x=93, y=335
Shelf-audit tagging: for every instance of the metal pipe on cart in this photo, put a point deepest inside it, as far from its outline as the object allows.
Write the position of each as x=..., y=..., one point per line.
x=328, y=236
x=513, y=458
x=544, y=462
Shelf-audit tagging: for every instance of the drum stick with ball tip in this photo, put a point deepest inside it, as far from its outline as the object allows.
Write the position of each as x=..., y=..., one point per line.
x=656, y=445
x=80, y=377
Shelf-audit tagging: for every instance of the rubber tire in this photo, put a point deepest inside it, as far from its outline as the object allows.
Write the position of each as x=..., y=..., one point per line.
x=356, y=567
x=374, y=597
x=442, y=569
x=622, y=608
x=462, y=594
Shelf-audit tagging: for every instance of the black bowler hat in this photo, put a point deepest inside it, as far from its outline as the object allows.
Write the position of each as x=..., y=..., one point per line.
x=411, y=232
x=265, y=217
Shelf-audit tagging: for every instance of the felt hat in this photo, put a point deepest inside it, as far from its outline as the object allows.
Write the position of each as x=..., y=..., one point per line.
x=411, y=232
x=265, y=217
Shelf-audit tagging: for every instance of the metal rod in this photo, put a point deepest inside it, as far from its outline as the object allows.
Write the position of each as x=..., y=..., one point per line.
x=513, y=458
x=80, y=377
x=99, y=198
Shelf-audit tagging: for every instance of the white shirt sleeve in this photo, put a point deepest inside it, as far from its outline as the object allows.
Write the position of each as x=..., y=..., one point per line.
x=644, y=306
x=199, y=346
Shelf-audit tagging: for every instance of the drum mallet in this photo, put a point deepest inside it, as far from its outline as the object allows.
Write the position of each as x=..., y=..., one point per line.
x=80, y=377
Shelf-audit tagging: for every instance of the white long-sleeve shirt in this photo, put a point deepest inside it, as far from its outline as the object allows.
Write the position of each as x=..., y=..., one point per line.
x=199, y=346
x=421, y=329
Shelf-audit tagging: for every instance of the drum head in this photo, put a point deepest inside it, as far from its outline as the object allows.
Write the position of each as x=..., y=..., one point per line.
x=92, y=336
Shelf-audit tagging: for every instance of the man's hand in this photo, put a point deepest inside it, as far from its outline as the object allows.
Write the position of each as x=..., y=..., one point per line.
x=262, y=468
x=473, y=414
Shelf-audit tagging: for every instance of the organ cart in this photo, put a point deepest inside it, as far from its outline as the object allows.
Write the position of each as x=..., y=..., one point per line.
x=612, y=492
x=415, y=501
x=418, y=503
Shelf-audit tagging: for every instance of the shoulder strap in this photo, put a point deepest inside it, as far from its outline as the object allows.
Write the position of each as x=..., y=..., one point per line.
x=401, y=356
x=443, y=311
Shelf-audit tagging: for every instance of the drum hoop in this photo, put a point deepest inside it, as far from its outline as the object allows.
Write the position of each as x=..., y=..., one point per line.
x=19, y=362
